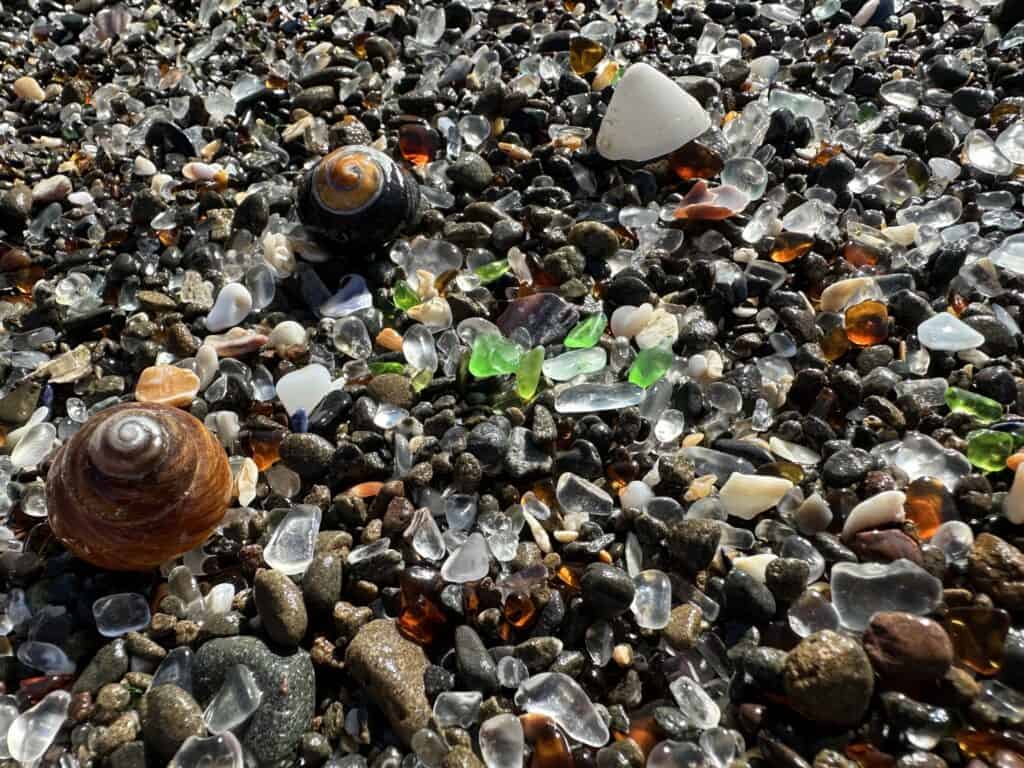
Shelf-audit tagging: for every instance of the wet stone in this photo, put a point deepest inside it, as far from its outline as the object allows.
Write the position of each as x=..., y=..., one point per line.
x=828, y=678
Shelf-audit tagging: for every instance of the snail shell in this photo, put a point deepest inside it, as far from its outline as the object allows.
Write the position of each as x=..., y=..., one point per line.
x=137, y=485
x=358, y=195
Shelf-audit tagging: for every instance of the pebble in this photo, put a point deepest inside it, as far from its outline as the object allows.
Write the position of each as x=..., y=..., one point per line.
x=607, y=591
x=281, y=607
x=828, y=679
x=272, y=733
x=168, y=716
x=997, y=568
x=391, y=669
x=904, y=648
x=28, y=88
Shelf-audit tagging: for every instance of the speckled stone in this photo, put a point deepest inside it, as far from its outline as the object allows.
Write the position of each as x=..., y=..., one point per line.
x=288, y=683
x=108, y=666
x=281, y=607
x=169, y=716
x=828, y=679
x=391, y=668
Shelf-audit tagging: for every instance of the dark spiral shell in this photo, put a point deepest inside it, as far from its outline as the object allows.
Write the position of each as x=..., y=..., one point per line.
x=137, y=485
x=358, y=195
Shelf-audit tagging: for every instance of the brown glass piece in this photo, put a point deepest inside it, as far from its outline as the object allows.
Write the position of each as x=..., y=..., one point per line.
x=695, y=161
x=860, y=255
x=979, y=636
x=264, y=447
x=417, y=143
x=834, y=344
x=520, y=611
x=584, y=54
x=129, y=502
x=550, y=747
x=928, y=505
x=790, y=246
x=420, y=620
x=867, y=323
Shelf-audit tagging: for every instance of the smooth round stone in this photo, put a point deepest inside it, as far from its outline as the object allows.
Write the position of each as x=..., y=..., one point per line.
x=120, y=614
x=649, y=116
x=607, y=591
x=828, y=678
x=904, y=647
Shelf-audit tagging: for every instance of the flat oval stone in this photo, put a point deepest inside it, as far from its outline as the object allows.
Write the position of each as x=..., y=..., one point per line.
x=167, y=385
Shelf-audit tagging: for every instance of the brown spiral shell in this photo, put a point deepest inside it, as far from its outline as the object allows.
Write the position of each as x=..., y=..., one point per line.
x=137, y=485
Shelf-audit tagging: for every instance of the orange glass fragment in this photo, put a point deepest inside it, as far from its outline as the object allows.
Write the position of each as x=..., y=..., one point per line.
x=978, y=635
x=867, y=323
x=790, y=246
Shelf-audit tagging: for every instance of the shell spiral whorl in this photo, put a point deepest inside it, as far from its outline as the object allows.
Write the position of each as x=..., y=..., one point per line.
x=128, y=446
x=358, y=195
x=137, y=485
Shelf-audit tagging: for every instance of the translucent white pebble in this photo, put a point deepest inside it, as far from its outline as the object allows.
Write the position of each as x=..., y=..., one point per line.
x=460, y=708
x=501, y=741
x=290, y=549
x=882, y=509
x=470, y=562
x=143, y=166
x=285, y=335
x=947, y=333
x=419, y=348
x=304, y=388
x=697, y=707
x=662, y=328
x=220, y=751
x=628, y=321
x=563, y=700
x=233, y=303
x=747, y=496
x=722, y=745
x=48, y=658
x=649, y=116
x=652, y=600
x=35, y=446
x=245, y=481
x=8, y=714
x=635, y=495
x=239, y=696
x=955, y=539
x=575, y=362
x=585, y=398
x=35, y=729
x=120, y=614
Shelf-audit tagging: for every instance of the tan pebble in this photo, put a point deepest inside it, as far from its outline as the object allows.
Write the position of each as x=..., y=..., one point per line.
x=168, y=385
x=28, y=88
x=564, y=537
x=623, y=654
x=389, y=339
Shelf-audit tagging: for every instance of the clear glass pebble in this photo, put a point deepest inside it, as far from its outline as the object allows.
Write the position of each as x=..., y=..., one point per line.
x=220, y=751
x=859, y=590
x=563, y=700
x=501, y=740
x=947, y=333
x=955, y=539
x=676, y=754
x=120, y=614
x=175, y=669
x=652, y=600
x=747, y=175
x=470, y=562
x=290, y=549
x=811, y=613
x=31, y=734
x=574, y=363
x=697, y=706
x=33, y=448
x=48, y=658
x=238, y=698
x=461, y=708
